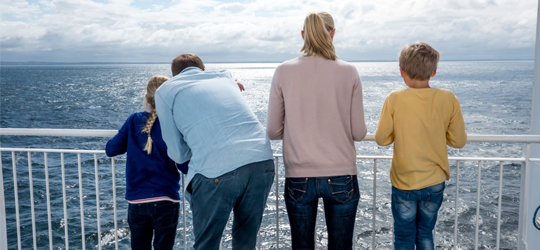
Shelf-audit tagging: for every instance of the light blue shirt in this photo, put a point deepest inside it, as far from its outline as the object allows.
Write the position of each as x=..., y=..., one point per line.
x=204, y=118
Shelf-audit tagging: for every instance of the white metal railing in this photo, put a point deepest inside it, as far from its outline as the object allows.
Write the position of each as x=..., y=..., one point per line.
x=527, y=139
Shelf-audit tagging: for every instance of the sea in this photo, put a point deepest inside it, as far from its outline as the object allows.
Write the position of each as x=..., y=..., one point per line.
x=495, y=97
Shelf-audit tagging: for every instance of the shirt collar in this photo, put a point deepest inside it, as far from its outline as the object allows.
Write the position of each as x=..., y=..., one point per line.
x=190, y=69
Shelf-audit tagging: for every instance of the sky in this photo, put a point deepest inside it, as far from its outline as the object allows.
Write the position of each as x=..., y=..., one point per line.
x=261, y=30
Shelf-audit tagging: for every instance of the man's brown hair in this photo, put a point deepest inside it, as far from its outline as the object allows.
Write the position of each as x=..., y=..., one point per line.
x=418, y=60
x=185, y=60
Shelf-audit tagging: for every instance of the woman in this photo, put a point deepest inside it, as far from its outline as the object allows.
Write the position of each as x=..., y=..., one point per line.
x=316, y=108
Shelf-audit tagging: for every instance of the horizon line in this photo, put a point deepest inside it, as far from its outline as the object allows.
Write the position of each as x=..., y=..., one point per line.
x=217, y=62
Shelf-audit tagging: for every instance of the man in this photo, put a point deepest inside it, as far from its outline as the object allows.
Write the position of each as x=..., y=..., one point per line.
x=205, y=119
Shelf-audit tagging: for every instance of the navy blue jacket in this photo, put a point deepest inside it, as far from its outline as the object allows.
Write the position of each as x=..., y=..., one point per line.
x=147, y=175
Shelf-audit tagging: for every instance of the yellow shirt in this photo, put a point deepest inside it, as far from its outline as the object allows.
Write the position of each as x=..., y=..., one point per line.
x=420, y=123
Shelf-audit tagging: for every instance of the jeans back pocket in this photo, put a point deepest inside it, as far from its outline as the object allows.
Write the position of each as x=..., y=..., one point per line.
x=433, y=201
x=296, y=188
x=342, y=187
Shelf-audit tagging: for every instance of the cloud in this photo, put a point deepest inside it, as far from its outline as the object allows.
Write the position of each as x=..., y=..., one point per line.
x=262, y=30
x=19, y=8
x=231, y=7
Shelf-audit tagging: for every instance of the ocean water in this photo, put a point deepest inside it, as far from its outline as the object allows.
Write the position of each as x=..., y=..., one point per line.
x=495, y=97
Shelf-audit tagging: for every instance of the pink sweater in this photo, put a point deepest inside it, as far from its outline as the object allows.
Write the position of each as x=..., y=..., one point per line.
x=316, y=107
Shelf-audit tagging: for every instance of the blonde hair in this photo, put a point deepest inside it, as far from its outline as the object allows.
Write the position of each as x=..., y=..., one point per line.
x=317, y=39
x=151, y=87
x=419, y=60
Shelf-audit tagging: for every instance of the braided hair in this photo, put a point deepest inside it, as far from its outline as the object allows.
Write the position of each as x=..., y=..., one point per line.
x=151, y=87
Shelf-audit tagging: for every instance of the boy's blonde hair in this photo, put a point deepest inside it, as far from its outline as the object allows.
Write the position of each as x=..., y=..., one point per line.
x=151, y=87
x=419, y=60
x=317, y=39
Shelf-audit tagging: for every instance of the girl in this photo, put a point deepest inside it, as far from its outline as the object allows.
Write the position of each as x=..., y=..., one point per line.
x=323, y=117
x=152, y=178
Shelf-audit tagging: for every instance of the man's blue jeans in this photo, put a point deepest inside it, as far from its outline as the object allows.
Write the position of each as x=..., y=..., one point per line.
x=415, y=215
x=243, y=191
x=340, y=196
x=158, y=219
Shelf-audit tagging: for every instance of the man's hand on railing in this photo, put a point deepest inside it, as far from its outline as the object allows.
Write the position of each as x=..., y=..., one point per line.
x=241, y=86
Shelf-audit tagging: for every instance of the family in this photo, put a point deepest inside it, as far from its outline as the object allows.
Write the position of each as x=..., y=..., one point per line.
x=198, y=123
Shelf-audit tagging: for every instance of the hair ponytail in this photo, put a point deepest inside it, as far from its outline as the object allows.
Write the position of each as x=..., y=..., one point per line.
x=317, y=39
x=147, y=129
x=151, y=87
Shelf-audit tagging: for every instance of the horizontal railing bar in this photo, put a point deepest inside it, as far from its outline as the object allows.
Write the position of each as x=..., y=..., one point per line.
x=58, y=132
x=371, y=157
x=364, y=157
x=484, y=159
x=50, y=150
x=504, y=138
x=110, y=133
x=451, y=158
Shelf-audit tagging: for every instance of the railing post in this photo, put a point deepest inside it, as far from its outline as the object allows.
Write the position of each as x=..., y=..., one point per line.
x=499, y=205
x=113, y=170
x=64, y=199
x=98, y=207
x=3, y=226
x=277, y=201
x=374, y=220
x=16, y=193
x=478, y=191
x=524, y=199
x=31, y=181
x=184, y=210
x=48, y=195
x=81, y=201
x=456, y=208
x=529, y=236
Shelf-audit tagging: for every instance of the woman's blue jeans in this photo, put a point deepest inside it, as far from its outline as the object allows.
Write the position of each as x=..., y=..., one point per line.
x=340, y=196
x=156, y=220
x=415, y=215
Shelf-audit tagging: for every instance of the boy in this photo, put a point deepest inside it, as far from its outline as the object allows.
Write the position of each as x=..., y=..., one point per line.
x=420, y=121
